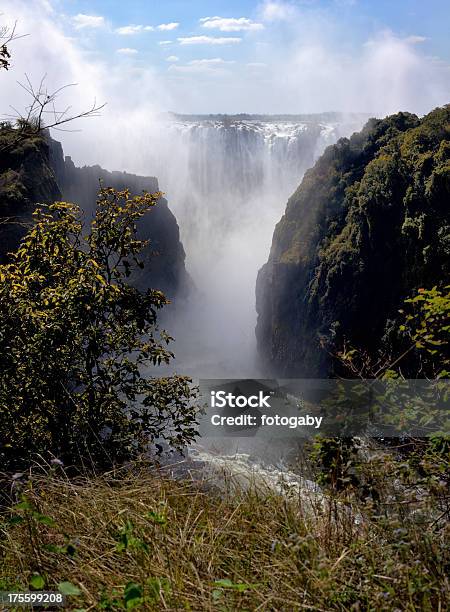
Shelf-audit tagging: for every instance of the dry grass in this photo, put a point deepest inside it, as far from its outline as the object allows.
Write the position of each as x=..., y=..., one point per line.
x=172, y=541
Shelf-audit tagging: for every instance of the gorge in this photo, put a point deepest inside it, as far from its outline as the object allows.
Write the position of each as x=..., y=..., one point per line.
x=227, y=179
x=356, y=237
x=34, y=170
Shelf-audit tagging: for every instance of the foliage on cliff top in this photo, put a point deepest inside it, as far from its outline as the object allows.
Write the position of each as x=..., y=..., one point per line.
x=77, y=343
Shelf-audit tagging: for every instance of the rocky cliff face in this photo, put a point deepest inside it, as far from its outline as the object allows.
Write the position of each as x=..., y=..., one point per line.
x=164, y=257
x=25, y=178
x=35, y=170
x=368, y=225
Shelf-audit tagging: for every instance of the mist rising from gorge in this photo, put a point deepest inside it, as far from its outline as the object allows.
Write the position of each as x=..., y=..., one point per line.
x=228, y=180
x=316, y=70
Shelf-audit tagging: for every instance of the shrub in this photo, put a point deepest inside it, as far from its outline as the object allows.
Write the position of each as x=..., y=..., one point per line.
x=78, y=343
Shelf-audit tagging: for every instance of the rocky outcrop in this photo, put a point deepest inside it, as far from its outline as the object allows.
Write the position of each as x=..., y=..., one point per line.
x=25, y=178
x=164, y=257
x=34, y=169
x=367, y=227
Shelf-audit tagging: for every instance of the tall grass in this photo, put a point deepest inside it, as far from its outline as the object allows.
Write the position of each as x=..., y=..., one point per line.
x=144, y=541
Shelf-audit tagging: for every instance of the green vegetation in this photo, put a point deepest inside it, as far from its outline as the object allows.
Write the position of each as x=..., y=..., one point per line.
x=424, y=327
x=79, y=347
x=368, y=227
x=25, y=179
x=146, y=542
x=429, y=328
x=77, y=342
x=375, y=538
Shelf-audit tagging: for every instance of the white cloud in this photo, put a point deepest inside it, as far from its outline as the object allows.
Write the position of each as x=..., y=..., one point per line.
x=165, y=42
x=206, y=66
x=208, y=40
x=210, y=62
x=386, y=75
x=88, y=21
x=172, y=58
x=256, y=64
x=127, y=51
x=230, y=24
x=415, y=40
x=167, y=27
x=277, y=11
x=131, y=29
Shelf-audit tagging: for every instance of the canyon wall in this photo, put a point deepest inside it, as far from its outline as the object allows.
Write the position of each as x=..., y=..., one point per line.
x=164, y=256
x=25, y=178
x=34, y=170
x=368, y=226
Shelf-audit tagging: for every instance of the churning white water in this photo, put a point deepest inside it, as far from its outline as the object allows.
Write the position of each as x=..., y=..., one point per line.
x=247, y=471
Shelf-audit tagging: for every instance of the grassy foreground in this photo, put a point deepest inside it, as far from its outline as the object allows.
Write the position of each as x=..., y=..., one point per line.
x=146, y=542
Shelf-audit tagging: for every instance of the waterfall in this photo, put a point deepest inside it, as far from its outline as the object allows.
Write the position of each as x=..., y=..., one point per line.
x=227, y=180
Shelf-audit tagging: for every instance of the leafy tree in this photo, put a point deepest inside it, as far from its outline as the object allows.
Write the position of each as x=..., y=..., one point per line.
x=78, y=342
x=426, y=327
x=424, y=330
x=429, y=327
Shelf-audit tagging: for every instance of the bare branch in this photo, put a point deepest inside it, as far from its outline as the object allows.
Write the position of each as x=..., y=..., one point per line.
x=42, y=112
x=15, y=221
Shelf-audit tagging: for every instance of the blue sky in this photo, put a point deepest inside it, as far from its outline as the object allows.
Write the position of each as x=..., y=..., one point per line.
x=359, y=19
x=263, y=56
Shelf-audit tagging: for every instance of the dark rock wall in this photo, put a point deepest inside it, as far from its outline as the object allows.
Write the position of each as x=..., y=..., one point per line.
x=164, y=257
x=34, y=170
x=25, y=178
x=367, y=227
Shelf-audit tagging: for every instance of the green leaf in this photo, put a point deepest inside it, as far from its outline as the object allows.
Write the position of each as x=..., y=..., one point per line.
x=225, y=582
x=132, y=595
x=67, y=588
x=157, y=518
x=37, y=582
x=44, y=520
x=23, y=505
x=241, y=587
x=154, y=587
